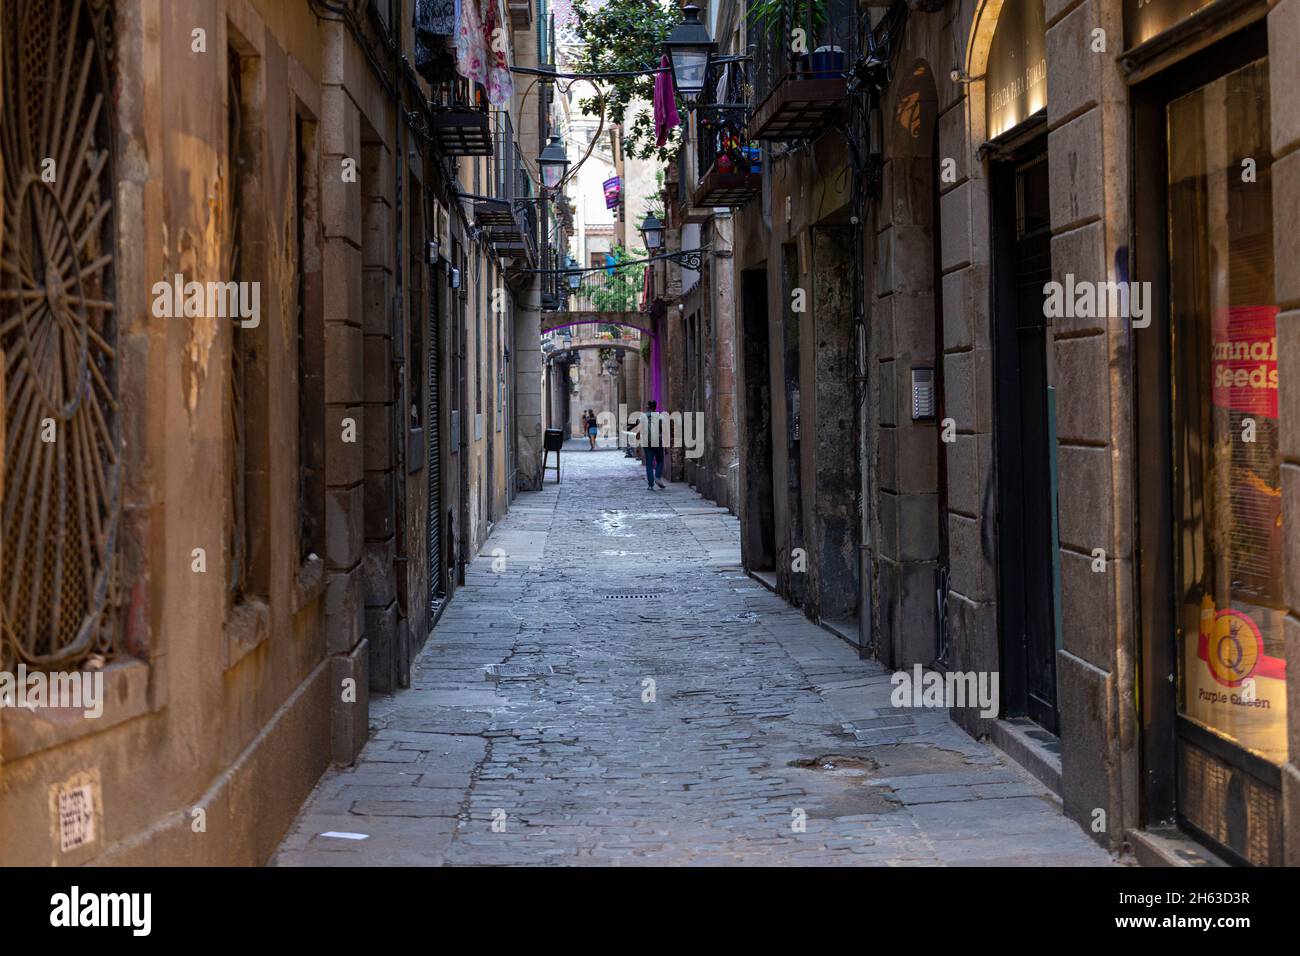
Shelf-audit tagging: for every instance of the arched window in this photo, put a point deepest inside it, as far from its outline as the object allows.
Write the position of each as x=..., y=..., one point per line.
x=58, y=336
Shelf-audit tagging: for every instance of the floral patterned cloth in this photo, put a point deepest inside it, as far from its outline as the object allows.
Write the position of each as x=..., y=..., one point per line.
x=471, y=43
x=500, y=85
x=435, y=16
x=481, y=50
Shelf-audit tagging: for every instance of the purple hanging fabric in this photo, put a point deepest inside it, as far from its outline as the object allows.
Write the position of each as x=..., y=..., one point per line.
x=665, y=103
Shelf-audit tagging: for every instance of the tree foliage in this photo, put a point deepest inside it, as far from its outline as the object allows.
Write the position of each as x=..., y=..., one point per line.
x=626, y=36
x=620, y=292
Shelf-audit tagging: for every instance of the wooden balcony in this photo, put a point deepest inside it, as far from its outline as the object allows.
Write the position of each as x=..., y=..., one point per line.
x=496, y=215
x=799, y=107
x=463, y=132
x=508, y=230
x=734, y=188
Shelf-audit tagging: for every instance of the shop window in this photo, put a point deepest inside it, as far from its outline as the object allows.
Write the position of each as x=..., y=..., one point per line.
x=1228, y=497
x=246, y=409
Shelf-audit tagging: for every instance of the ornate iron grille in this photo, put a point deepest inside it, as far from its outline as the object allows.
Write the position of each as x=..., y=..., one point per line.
x=58, y=332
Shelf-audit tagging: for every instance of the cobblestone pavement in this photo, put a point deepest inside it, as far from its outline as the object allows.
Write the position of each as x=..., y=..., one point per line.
x=529, y=734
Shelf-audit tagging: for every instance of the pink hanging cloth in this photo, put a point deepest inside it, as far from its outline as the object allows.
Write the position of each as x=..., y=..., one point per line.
x=665, y=104
x=500, y=84
x=471, y=44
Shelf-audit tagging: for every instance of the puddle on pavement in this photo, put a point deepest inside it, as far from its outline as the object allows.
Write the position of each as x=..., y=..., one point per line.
x=901, y=760
x=837, y=765
x=838, y=785
x=612, y=524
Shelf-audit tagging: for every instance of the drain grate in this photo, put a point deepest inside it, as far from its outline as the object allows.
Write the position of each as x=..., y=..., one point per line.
x=630, y=596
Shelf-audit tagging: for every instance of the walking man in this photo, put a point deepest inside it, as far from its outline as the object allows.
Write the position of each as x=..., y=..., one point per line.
x=653, y=439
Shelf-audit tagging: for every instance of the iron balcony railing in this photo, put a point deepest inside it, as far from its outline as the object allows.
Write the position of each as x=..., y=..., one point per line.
x=509, y=210
x=460, y=117
x=727, y=165
x=552, y=286
x=603, y=292
x=802, y=40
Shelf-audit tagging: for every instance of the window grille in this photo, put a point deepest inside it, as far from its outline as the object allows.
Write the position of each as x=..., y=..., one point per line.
x=58, y=333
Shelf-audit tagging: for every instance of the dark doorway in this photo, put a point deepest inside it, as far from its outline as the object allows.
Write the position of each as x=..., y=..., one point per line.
x=433, y=446
x=462, y=413
x=795, y=582
x=1022, y=264
x=759, y=541
x=941, y=571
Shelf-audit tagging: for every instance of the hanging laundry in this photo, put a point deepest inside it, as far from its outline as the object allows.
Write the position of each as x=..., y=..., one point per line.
x=665, y=103
x=434, y=22
x=471, y=43
x=500, y=85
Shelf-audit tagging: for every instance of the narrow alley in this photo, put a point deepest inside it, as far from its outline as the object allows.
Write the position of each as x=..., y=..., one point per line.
x=611, y=688
x=978, y=412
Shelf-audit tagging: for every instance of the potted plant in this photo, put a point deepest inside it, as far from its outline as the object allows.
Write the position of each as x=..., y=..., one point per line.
x=771, y=16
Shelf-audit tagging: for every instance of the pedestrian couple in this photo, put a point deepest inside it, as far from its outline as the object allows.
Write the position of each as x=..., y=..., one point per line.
x=651, y=436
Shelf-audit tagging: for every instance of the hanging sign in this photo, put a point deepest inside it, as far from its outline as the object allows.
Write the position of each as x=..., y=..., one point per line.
x=613, y=192
x=1144, y=19
x=1015, y=82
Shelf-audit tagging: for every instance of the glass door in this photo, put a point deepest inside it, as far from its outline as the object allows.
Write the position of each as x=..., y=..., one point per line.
x=1227, y=499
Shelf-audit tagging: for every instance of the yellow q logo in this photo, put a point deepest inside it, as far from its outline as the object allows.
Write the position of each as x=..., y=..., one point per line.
x=1234, y=648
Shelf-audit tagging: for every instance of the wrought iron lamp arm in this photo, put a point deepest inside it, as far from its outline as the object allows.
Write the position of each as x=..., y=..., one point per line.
x=690, y=258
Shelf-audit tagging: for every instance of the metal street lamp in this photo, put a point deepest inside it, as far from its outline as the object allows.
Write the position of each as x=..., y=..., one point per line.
x=553, y=162
x=689, y=48
x=652, y=230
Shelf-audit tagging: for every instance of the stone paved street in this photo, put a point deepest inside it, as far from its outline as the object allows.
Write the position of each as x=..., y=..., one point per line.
x=525, y=738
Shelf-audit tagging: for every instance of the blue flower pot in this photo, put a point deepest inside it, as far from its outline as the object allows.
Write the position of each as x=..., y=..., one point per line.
x=827, y=63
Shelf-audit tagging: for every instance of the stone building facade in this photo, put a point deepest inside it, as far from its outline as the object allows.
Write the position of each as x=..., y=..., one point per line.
x=244, y=522
x=1033, y=411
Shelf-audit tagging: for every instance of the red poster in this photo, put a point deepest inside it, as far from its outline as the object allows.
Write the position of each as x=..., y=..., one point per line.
x=1245, y=360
